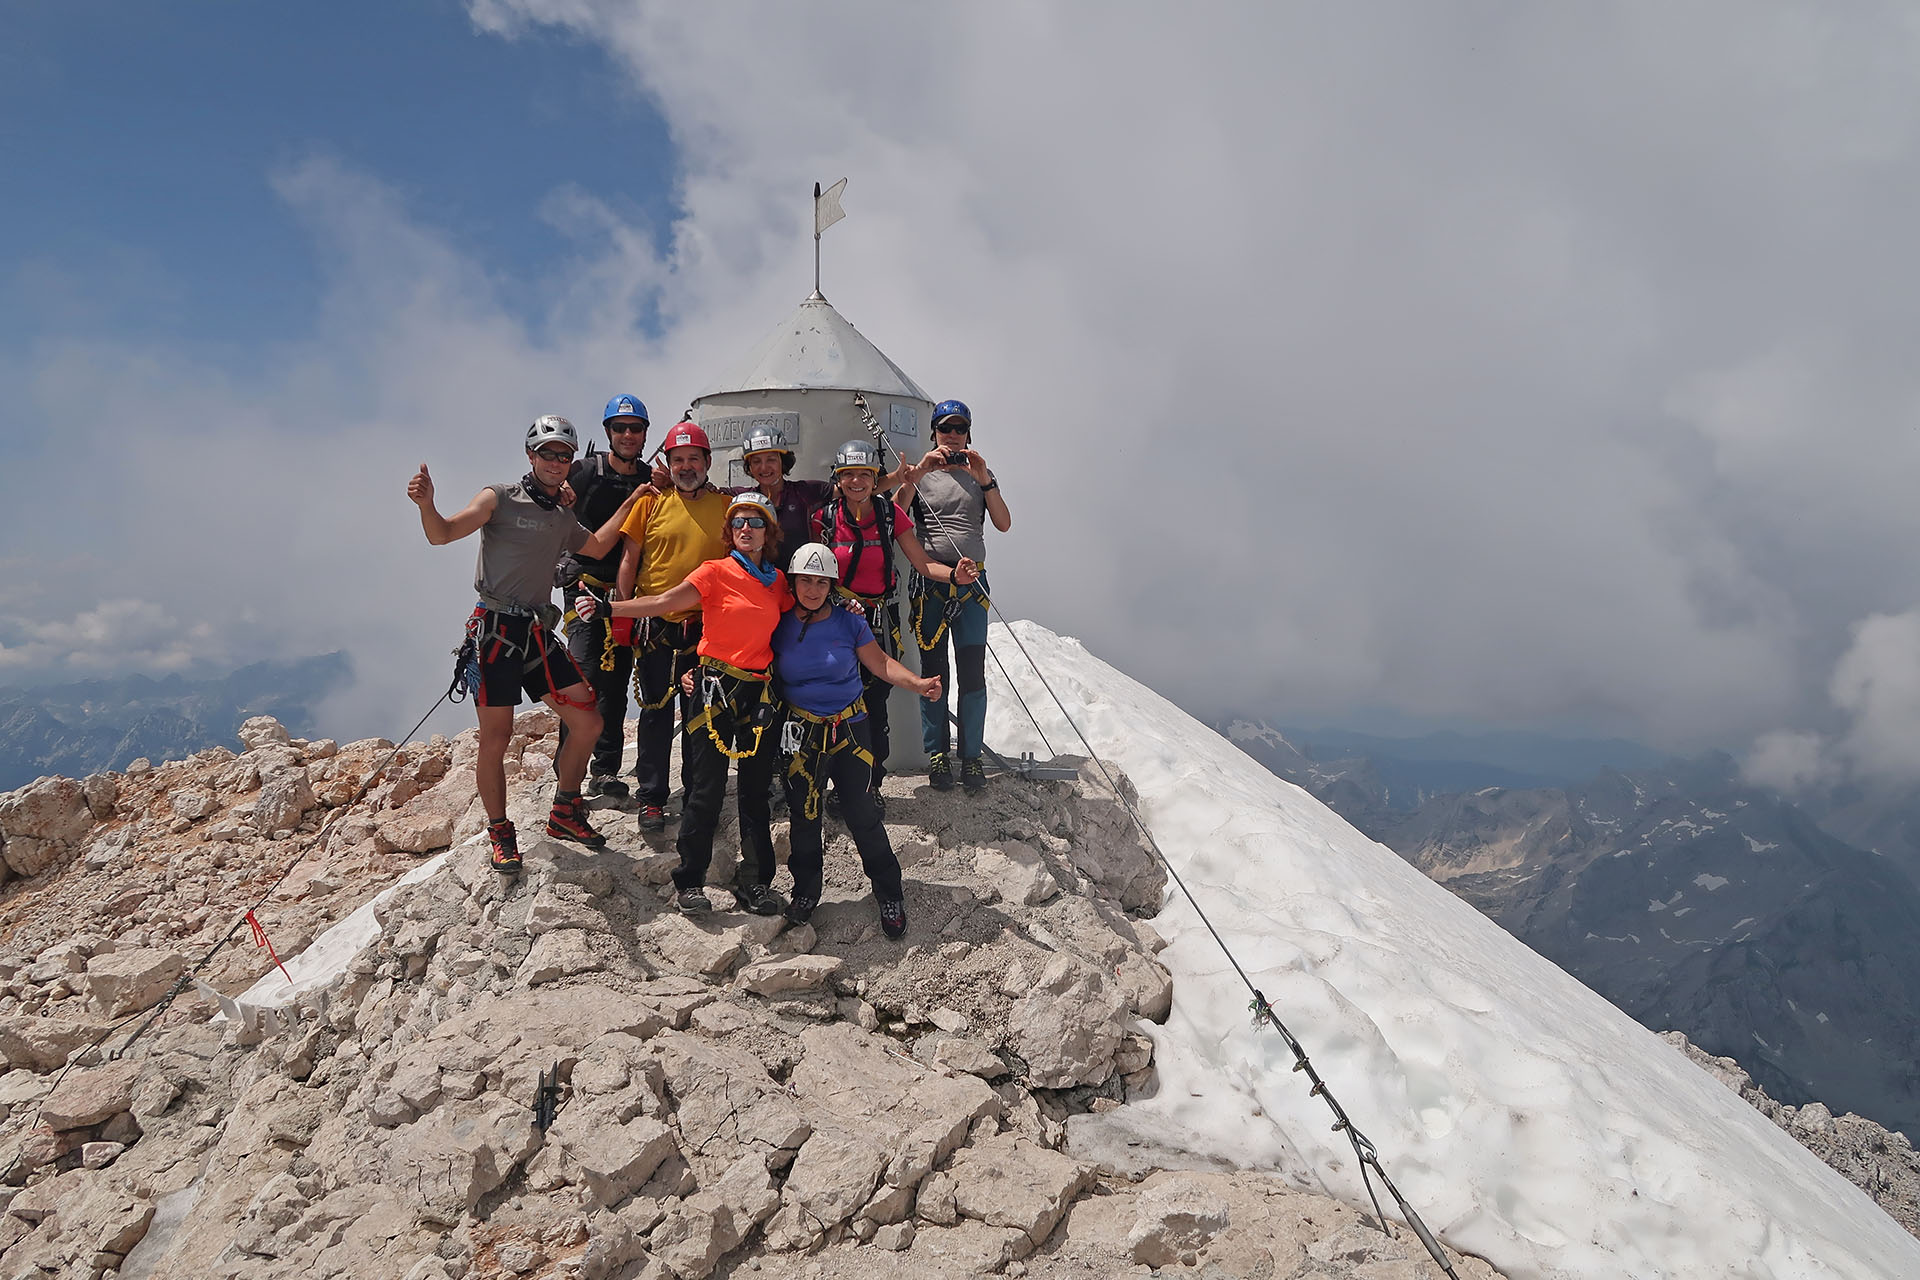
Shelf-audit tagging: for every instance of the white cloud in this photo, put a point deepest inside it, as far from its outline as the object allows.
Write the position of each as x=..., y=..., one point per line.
x=113, y=637
x=1540, y=365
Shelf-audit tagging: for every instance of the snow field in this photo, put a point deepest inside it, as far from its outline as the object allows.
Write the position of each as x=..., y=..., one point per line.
x=1526, y=1119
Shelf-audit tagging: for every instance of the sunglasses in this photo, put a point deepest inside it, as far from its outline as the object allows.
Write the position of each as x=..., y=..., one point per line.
x=748, y=522
x=625, y=429
x=553, y=455
x=953, y=428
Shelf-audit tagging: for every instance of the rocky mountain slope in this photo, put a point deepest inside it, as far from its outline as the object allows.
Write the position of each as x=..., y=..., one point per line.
x=720, y=1097
x=84, y=728
x=1690, y=900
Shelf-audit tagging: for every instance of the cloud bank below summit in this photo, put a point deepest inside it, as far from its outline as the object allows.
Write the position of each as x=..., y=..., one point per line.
x=1520, y=367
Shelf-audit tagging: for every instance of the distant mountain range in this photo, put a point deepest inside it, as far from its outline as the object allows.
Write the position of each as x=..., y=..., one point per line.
x=93, y=725
x=1690, y=899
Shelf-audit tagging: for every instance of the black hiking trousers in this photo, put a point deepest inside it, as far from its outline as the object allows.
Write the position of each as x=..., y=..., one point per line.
x=849, y=775
x=660, y=665
x=705, y=777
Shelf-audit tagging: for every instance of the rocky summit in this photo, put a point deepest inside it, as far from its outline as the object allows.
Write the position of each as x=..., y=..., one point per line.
x=555, y=1074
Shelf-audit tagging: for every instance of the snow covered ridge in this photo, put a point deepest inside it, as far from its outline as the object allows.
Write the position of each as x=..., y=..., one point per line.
x=1529, y=1121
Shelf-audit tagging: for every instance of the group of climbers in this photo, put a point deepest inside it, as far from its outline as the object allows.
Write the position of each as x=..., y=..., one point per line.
x=695, y=607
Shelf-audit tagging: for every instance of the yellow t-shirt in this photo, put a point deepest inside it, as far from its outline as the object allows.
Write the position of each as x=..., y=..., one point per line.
x=676, y=534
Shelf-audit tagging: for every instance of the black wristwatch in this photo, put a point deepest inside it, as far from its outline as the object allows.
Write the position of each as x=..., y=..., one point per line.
x=991, y=484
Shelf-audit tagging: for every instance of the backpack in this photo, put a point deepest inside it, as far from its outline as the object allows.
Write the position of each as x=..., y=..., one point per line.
x=883, y=518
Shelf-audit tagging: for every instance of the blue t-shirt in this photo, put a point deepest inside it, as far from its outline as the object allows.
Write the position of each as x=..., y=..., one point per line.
x=820, y=672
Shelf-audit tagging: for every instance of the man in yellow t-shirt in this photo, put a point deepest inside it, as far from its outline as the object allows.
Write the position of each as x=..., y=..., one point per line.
x=666, y=538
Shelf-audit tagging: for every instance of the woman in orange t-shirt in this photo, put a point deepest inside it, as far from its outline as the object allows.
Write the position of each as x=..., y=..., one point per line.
x=734, y=716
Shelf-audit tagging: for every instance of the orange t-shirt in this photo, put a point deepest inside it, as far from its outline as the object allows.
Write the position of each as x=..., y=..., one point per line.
x=738, y=613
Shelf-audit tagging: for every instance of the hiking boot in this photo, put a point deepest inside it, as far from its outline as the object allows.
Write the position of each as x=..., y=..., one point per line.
x=653, y=817
x=506, y=847
x=940, y=771
x=800, y=910
x=568, y=821
x=893, y=918
x=973, y=775
x=760, y=899
x=605, y=784
x=693, y=902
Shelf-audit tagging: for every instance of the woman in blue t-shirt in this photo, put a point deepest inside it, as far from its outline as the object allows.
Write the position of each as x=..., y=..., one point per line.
x=818, y=653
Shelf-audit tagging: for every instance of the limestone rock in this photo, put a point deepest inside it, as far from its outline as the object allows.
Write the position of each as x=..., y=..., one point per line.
x=694, y=1237
x=89, y=1095
x=1008, y=1181
x=918, y=1116
x=1017, y=873
x=833, y=1177
x=1149, y=987
x=787, y=974
x=960, y=1054
x=128, y=981
x=1178, y=1216
x=42, y=1044
x=283, y=800
x=553, y=909
x=615, y=1158
x=560, y=954
x=102, y=791
x=261, y=731
x=448, y=1160
x=726, y=1104
x=1069, y=1025
x=695, y=948
x=416, y=832
x=49, y=809
x=193, y=803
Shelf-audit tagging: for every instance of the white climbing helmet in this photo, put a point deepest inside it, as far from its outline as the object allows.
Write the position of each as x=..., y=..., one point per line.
x=551, y=428
x=815, y=560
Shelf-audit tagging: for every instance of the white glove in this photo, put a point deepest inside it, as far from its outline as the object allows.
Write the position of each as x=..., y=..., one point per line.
x=585, y=606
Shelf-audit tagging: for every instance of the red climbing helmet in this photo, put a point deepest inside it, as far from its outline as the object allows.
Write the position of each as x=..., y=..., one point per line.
x=685, y=433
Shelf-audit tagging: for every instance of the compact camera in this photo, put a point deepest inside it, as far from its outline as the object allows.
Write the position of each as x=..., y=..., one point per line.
x=955, y=457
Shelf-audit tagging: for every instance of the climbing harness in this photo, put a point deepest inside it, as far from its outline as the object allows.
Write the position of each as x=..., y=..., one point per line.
x=743, y=711
x=649, y=635
x=958, y=597
x=881, y=613
x=816, y=739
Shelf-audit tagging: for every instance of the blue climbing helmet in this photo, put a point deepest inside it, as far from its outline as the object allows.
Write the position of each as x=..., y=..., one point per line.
x=953, y=409
x=628, y=407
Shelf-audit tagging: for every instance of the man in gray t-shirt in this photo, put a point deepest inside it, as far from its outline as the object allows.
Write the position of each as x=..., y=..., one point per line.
x=954, y=495
x=524, y=528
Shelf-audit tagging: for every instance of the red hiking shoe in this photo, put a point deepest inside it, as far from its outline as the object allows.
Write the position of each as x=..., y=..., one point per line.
x=506, y=846
x=568, y=821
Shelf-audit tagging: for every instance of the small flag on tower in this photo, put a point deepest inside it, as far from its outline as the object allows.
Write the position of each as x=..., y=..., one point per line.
x=826, y=206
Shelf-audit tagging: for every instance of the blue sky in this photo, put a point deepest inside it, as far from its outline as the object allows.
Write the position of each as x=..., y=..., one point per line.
x=1480, y=365
x=142, y=137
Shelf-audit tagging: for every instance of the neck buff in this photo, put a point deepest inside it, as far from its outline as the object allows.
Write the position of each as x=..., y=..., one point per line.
x=763, y=574
x=541, y=498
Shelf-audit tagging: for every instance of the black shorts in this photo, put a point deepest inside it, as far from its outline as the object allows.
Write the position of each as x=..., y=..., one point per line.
x=515, y=653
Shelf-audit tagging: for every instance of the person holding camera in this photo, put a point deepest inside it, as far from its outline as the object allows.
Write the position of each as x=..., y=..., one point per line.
x=954, y=495
x=733, y=714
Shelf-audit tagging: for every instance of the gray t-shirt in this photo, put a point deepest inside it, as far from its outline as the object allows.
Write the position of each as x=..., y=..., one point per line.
x=950, y=513
x=519, y=544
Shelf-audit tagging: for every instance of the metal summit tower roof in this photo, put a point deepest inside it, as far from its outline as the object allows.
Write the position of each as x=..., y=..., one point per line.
x=817, y=349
